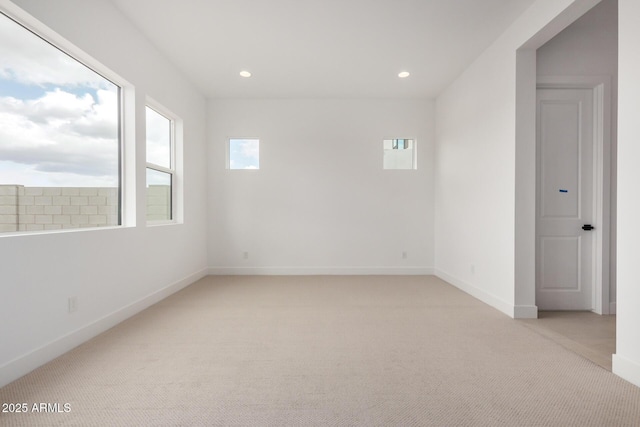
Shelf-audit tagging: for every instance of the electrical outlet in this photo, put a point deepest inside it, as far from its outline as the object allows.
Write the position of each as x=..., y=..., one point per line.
x=473, y=269
x=73, y=304
x=245, y=255
x=404, y=255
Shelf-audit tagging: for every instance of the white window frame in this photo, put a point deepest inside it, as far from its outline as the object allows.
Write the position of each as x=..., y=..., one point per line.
x=176, y=124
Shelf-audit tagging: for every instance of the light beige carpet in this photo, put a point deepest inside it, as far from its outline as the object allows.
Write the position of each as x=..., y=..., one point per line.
x=299, y=351
x=590, y=335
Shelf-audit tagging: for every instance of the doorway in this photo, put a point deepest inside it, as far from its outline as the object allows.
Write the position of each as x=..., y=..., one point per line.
x=572, y=194
x=565, y=145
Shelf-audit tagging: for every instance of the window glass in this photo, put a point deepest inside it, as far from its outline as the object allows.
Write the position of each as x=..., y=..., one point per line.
x=158, y=195
x=59, y=137
x=244, y=154
x=160, y=170
x=158, y=139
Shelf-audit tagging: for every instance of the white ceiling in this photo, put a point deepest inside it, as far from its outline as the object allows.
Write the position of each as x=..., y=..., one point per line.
x=322, y=48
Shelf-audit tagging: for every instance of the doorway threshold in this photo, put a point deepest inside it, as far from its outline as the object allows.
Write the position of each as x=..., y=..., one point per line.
x=585, y=333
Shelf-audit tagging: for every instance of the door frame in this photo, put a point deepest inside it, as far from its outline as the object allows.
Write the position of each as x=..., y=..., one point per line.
x=601, y=268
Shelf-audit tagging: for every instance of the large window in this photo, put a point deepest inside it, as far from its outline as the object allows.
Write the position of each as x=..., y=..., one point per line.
x=59, y=137
x=160, y=166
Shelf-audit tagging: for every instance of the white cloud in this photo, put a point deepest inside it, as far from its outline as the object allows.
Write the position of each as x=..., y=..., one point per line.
x=102, y=120
x=55, y=105
x=61, y=139
x=251, y=148
x=68, y=134
x=158, y=130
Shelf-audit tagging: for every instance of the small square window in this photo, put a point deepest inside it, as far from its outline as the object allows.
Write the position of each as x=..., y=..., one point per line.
x=398, y=153
x=244, y=153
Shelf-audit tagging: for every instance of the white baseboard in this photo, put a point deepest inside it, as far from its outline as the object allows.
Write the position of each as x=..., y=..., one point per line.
x=626, y=369
x=487, y=298
x=525, y=312
x=22, y=365
x=319, y=271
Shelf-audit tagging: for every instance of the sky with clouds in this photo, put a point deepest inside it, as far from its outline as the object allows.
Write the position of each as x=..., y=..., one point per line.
x=158, y=129
x=244, y=154
x=58, y=118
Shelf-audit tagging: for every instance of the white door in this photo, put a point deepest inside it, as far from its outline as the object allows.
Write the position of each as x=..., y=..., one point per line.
x=565, y=203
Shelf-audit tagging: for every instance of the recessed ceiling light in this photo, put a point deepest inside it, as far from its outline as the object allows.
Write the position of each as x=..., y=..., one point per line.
x=403, y=74
x=245, y=73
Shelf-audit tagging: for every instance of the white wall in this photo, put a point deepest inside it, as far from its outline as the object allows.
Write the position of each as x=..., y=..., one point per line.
x=491, y=154
x=112, y=272
x=589, y=47
x=626, y=361
x=321, y=202
x=476, y=176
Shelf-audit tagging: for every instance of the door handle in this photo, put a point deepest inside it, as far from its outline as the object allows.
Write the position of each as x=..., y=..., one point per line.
x=588, y=227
